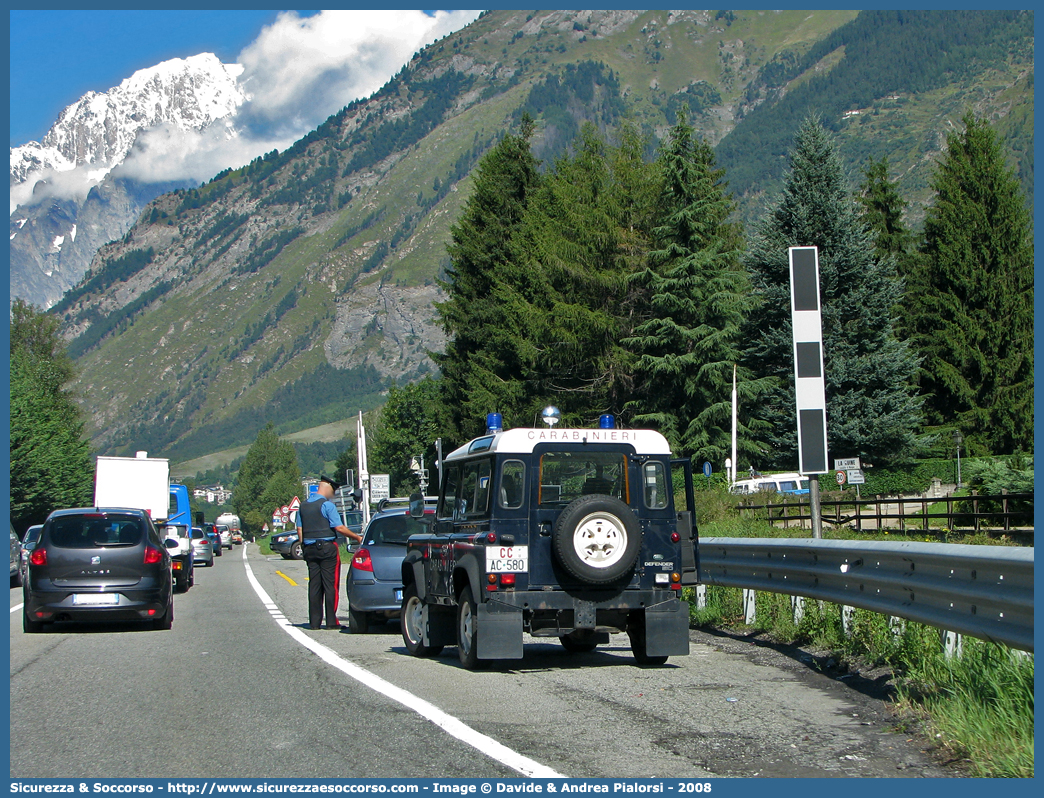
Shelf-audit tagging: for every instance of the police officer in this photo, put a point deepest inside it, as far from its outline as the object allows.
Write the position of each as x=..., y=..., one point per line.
x=318, y=526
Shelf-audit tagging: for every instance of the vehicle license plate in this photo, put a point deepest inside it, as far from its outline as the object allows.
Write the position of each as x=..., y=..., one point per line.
x=95, y=599
x=507, y=559
x=398, y=594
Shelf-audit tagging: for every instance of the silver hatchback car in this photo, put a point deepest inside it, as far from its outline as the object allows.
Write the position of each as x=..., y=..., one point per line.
x=202, y=549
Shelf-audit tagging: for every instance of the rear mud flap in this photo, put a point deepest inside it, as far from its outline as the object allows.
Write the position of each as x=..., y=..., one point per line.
x=667, y=629
x=439, y=627
x=499, y=632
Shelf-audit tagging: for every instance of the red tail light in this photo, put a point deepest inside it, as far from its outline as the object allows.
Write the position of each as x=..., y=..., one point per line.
x=362, y=561
x=38, y=557
x=153, y=555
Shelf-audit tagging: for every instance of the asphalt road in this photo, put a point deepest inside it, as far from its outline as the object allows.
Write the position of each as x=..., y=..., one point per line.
x=241, y=688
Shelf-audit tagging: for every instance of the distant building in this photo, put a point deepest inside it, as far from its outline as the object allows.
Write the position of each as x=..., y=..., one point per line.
x=214, y=494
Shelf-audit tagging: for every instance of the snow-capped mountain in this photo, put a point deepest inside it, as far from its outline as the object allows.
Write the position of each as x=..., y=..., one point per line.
x=100, y=129
x=54, y=180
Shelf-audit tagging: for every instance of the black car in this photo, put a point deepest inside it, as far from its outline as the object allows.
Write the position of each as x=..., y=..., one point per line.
x=286, y=544
x=98, y=564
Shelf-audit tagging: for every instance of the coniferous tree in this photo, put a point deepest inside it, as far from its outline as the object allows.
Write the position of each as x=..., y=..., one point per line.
x=407, y=426
x=269, y=477
x=872, y=408
x=970, y=297
x=478, y=366
x=694, y=297
x=585, y=232
x=52, y=462
x=883, y=209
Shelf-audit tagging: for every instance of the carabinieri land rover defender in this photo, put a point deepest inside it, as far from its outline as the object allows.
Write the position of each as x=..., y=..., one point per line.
x=567, y=533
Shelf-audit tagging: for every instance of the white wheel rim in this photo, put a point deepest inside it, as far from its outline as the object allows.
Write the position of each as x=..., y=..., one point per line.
x=413, y=613
x=467, y=623
x=599, y=540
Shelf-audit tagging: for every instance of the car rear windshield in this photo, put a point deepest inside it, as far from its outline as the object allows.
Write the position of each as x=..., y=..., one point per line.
x=393, y=529
x=566, y=475
x=92, y=531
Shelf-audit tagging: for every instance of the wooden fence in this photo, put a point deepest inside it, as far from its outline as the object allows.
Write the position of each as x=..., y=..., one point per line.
x=1008, y=513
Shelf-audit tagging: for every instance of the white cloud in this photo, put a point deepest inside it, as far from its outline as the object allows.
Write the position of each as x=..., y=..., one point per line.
x=301, y=70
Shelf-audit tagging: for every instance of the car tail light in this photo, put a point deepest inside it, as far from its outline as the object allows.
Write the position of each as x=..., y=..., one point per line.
x=507, y=579
x=175, y=565
x=675, y=537
x=38, y=557
x=362, y=560
x=153, y=555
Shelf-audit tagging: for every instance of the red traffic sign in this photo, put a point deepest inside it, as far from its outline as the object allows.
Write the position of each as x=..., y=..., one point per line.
x=284, y=509
x=841, y=477
x=295, y=504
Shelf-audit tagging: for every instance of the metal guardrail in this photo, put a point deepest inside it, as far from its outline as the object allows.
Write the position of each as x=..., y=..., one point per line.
x=981, y=591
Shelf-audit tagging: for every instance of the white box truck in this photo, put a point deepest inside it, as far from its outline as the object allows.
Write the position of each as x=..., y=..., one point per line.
x=143, y=482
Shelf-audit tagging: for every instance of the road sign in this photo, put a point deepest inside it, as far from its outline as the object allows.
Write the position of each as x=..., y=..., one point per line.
x=295, y=504
x=284, y=509
x=847, y=464
x=841, y=477
x=707, y=470
x=856, y=476
x=380, y=487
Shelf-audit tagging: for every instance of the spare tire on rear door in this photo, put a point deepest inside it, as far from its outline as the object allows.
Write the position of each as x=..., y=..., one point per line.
x=597, y=539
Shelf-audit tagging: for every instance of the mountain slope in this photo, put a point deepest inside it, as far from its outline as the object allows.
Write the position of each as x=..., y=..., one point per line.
x=298, y=287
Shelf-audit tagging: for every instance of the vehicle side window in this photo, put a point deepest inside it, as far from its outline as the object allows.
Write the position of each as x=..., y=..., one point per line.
x=766, y=486
x=475, y=490
x=654, y=485
x=788, y=486
x=450, y=490
x=512, y=484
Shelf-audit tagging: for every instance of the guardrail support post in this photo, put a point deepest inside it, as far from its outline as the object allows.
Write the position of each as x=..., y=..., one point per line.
x=847, y=615
x=897, y=625
x=701, y=597
x=951, y=644
x=749, y=614
x=797, y=604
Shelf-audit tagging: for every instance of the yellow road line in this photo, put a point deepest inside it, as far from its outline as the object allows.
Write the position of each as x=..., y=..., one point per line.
x=287, y=578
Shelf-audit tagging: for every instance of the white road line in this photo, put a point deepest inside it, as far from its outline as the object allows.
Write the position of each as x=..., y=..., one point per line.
x=16, y=607
x=480, y=742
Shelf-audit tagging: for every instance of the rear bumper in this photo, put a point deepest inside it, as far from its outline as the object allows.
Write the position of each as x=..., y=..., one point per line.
x=132, y=604
x=375, y=596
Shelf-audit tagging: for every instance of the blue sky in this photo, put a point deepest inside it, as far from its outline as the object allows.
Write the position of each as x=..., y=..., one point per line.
x=57, y=56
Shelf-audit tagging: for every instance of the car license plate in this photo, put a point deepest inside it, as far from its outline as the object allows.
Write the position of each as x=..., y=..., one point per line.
x=507, y=559
x=398, y=594
x=95, y=599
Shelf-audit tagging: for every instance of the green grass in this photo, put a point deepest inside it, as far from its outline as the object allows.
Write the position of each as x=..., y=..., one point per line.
x=978, y=706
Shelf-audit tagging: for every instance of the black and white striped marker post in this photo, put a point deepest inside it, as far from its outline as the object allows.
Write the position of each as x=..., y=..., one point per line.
x=809, y=383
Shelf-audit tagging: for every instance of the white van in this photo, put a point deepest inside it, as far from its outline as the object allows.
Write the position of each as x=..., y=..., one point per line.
x=790, y=483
